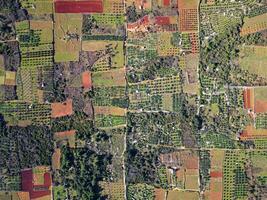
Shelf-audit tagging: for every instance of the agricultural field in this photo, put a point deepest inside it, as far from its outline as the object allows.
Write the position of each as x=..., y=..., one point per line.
x=181, y=170
x=35, y=42
x=177, y=175
x=253, y=59
x=254, y=24
x=229, y=174
x=68, y=30
x=37, y=8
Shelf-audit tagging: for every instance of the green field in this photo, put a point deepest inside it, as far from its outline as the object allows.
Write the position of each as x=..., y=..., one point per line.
x=254, y=60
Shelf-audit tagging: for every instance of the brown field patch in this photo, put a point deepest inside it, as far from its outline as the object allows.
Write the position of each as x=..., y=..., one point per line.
x=109, y=78
x=95, y=45
x=6, y=195
x=192, y=162
x=188, y=4
x=254, y=24
x=10, y=78
x=56, y=159
x=260, y=100
x=247, y=98
x=183, y=195
x=41, y=24
x=191, y=89
x=68, y=136
x=215, y=195
x=87, y=80
x=109, y=110
x=260, y=106
x=23, y=195
x=217, y=157
x=216, y=174
x=251, y=132
x=62, y=109
x=40, y=96
x=180, y=175
x=159, y=194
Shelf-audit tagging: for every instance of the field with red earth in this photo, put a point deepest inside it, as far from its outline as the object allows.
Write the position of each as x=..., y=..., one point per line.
x=166, y=2
x=62, y=109
x=162, y=20
x=36, y=191
x=141, y=22
x=216, y=174
x=87, y=80
x=90, y=6
x=247, y=99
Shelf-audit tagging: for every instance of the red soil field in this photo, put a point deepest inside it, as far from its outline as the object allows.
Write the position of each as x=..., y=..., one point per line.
x=162, y=20
x=62, y=109
x=143, y=21
x=89, y=6
x=215, y=195
x=28, y=186
x=260, y=106
x=159, y=194
x=87, y=80
x=216, y=174
x=191, y=163
x=246, y=98
x=166, y=2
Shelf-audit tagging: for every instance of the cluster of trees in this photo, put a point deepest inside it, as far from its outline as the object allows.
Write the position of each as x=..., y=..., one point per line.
x=217, y=56
x=142, y=165
x=159, y=67
x=133, y=15
x=89, y=23
x=24, y=147
x=82, y=169
x=10, y=11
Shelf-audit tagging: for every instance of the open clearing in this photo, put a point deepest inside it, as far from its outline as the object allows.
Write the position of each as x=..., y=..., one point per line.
x=68, y=30
x=254, y=59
